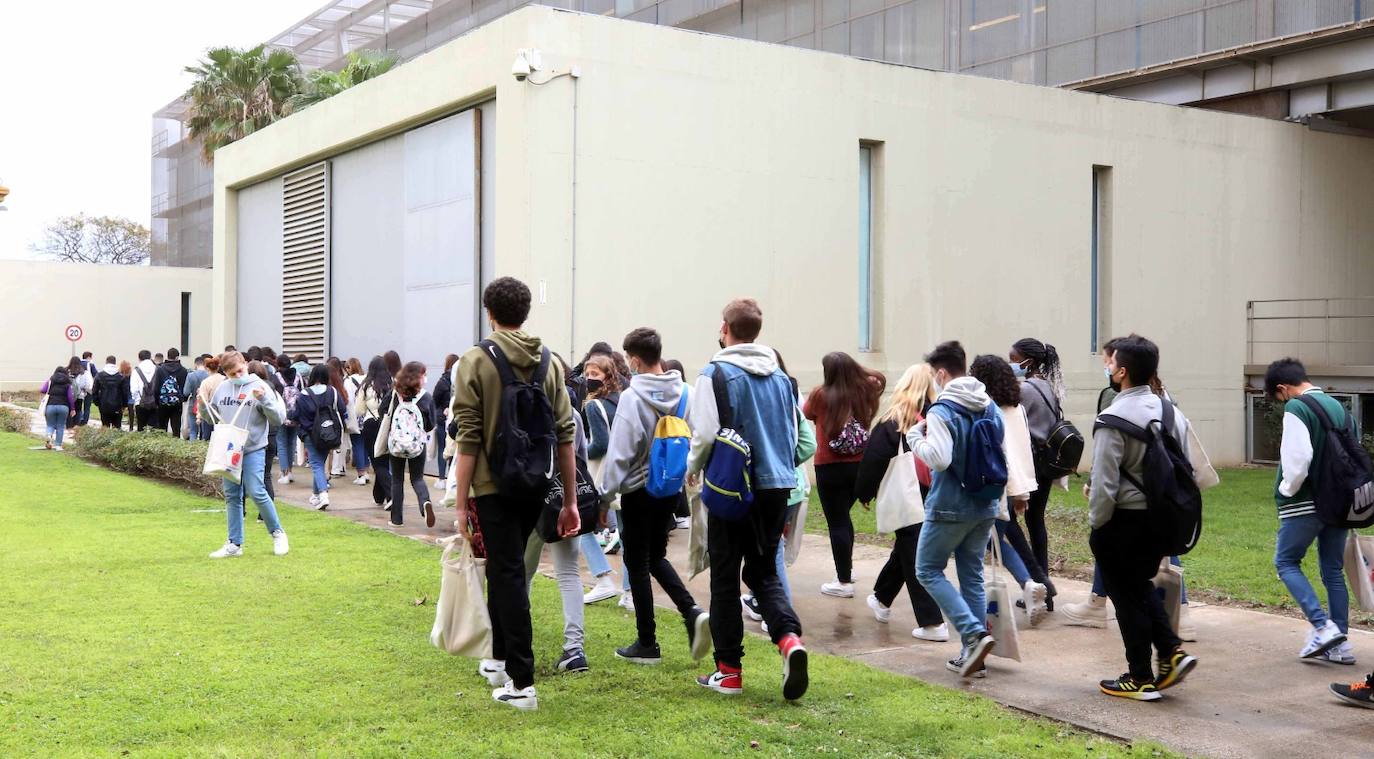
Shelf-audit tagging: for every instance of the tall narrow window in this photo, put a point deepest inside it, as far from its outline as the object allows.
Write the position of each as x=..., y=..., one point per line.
x=1100, y=320
x=185, y=324
x=865, y=248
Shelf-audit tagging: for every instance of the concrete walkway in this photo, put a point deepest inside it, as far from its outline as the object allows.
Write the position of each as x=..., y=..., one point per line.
x=1249, y=697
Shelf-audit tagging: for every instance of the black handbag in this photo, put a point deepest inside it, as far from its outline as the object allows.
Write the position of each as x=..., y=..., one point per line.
x=588, y=505
x=1059, y=454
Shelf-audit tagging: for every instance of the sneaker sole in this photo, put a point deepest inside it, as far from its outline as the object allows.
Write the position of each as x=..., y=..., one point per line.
x=1076, y=621
x=750, y=613
x=1349, y=700
x=564, y=668
x=1327, y=646
x=977, y=656
x=882, y=619
x=721, y=690
x=645, y=661
x=1177, y=675
x=596, y=597
x=836, y=594
x=523, y=704
x=794, y=676
x=1133, y=695
x=496, y=682
x=932, y=639
x=978, y=675
x=701, y=637
x=428, y=510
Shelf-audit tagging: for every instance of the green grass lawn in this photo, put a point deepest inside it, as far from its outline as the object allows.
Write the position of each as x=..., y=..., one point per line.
x=119, y=637
x=1234, y=561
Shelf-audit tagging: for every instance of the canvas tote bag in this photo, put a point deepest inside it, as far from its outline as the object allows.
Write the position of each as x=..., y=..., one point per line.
x=1001, y=611
x=462, y=624
x=1169, y=580
x=1359, y=566
x=899, y=494
x=224, y=458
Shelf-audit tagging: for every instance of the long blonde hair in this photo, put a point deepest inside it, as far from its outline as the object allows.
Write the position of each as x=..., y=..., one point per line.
x=912, y=393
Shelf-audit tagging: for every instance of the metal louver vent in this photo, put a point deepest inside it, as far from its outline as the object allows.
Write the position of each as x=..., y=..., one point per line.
x=305, y=262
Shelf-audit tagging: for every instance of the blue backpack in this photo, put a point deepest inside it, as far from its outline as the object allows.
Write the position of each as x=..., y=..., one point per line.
x=726, y=488
x=668, y=452
x=984, y=463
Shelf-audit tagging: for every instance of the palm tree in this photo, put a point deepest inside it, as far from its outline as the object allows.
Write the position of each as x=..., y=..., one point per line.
x=321, y=85
x=238, y=92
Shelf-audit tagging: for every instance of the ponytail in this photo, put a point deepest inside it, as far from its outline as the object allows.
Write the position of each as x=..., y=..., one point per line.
x=1045, y=363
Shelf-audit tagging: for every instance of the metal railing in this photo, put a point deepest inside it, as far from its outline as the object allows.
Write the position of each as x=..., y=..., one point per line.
x=1316, y=331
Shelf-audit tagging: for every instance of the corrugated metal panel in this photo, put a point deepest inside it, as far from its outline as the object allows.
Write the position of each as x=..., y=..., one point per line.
x=1294, y=16
x=305, y=262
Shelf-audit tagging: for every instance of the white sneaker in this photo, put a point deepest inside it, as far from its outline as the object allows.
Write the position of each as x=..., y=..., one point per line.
x=57, y=447
x=285, y=479
x=612, y=542
x=1033, y=595
x=1321, y=640
x=494, y=670
x=1090, y=613
x=1342, y=654
x=627, y=601
x=838, y=589
x=764, y=626
x=1186, y=631
x=315, y=501
x=229, y=550
x=362, y=480
x=279, y=545
x=442, y=484
x=386, y=505
x=523, y=699
x=935, y=633
x=683, y=523
x=604, y=589
x=880, y=612
x=322, y=502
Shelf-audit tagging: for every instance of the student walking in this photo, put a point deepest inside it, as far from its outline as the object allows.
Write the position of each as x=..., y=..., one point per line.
x=1301, y=452
x=842, y=409
x=1042, y=395
x=961, y=441
x=111, y=394
x=61, y=406
x=206, y=392
x=264, y=406
x=190, y=392
x=169, y=381
x=313, y=407
x=409, y=419
x=86, y=389
x=603, y=388
x=443, y=399
x=126, y=370
x=362, y=452
x=142, y=391
x=757, y=402
x=293, y=383
x=367, y=406
x=339, y=456
x=515, y=363
x=1123, y=541
x=912, y=396
x=653, y=413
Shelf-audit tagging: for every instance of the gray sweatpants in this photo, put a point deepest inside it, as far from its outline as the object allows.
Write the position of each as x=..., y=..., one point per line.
x=565, y=568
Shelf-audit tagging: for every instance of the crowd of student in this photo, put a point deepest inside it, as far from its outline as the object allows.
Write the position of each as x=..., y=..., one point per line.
x=523, y=439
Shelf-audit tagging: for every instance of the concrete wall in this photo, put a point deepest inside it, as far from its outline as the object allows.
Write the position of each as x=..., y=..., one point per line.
x=708, y=168
x=121, y=309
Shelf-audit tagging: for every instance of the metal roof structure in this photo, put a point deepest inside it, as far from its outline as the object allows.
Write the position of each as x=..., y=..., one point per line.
x=341, y=26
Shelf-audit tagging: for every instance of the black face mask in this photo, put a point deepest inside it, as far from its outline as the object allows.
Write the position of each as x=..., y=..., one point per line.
x=721, y=342
x=594, y=385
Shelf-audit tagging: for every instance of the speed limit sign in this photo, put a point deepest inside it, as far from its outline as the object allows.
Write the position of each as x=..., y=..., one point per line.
x=74, y=332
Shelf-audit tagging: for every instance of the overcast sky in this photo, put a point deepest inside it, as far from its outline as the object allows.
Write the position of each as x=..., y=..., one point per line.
x=79, y=82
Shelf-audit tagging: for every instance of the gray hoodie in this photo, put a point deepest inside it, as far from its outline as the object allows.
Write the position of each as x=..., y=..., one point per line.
x=257, y=418
x=1113, y=452
x=649, y=396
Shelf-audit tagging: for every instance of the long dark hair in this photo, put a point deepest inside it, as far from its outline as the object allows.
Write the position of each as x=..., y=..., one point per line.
x=997, y=377
x=850, y=391
x=1044, y=363
x=410, y=380
x=75, y=367
x=336, y=379
x=378, y=376
x=285, y=369
x=319, y=375
x=393, y=362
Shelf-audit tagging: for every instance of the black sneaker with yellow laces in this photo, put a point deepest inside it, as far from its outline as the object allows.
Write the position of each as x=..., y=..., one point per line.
x=1359, y=694
x=1173, y=668
x=1129, y=687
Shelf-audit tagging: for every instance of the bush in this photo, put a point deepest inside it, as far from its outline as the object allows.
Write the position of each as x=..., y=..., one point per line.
x=20, y=396
x=150, y=454
x=13, y=420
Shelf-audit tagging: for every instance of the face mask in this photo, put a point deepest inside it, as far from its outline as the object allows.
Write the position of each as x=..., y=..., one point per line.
x=721, y=342
x=594, y=385
x=240, y=380
x=1019, y=371
x=1113, y=384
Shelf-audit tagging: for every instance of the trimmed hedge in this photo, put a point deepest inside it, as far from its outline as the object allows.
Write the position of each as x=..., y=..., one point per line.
x=150, y=454
x=12, y=420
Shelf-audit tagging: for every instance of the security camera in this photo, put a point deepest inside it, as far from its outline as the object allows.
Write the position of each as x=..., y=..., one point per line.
x=521, y=68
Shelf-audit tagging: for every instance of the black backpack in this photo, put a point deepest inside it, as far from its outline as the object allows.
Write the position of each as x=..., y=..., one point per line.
x=1173, y=497
x=327, y=432
x=522, y=455
x=1342, y=480
x=1058, y=455
x=147, y=397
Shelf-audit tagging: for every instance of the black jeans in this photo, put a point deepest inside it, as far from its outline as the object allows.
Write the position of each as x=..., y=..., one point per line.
x=111, y=417
x=267, y=467
x=1017, y=540
x=1035, y=524
x=835, y=485
x=645, y=522
x=144, y=417
x=169, y=418
x=381, y=465
x=753, y=543
x=506, y=527
x=398, y=485
x=1127, y=560
x=900, y=570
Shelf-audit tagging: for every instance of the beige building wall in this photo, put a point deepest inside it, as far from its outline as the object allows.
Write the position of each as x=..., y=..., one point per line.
x=121, y=310
x=709, y=167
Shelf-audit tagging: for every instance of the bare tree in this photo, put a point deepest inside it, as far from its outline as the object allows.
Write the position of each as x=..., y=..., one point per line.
x=95, y=240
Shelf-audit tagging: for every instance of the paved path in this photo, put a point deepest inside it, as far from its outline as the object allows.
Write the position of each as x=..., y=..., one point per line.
x=1250, y=696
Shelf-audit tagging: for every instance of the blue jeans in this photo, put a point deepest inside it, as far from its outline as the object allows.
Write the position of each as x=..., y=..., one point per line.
x=251, y=486
x=782, y=570
x=360, y=457
x=597, y=563
x=83, y=416
x=1010, y=558
x=965, y=608
x=1296, y=535
x=1101, y=592
x=286, y=448
x=203, y=429
x=56, y=418
x=317, y=467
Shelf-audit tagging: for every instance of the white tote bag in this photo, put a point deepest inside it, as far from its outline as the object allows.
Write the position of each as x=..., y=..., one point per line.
x=224, y=458
x=1203, y=473
x=899, y=494
x=795, y=529
x=1170, y=580
x=462, y=625
x=1359, y=569
x=697, y=559
x=1001, y=611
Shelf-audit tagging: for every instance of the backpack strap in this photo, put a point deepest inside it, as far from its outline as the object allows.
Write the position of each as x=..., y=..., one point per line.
x=542, y=372
x=720, y=388
x=1328, y=423
x=1114, y=422
x=682, y=404
x=498, y=358
x=1058, y=411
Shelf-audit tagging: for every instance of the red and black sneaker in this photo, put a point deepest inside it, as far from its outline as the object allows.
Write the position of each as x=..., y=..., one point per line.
x=794, y=679
x=726, y=679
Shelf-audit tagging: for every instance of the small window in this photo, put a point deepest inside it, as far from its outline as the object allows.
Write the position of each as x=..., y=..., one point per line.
x=865, y=248
x=1101, y=275
x=185, y=324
